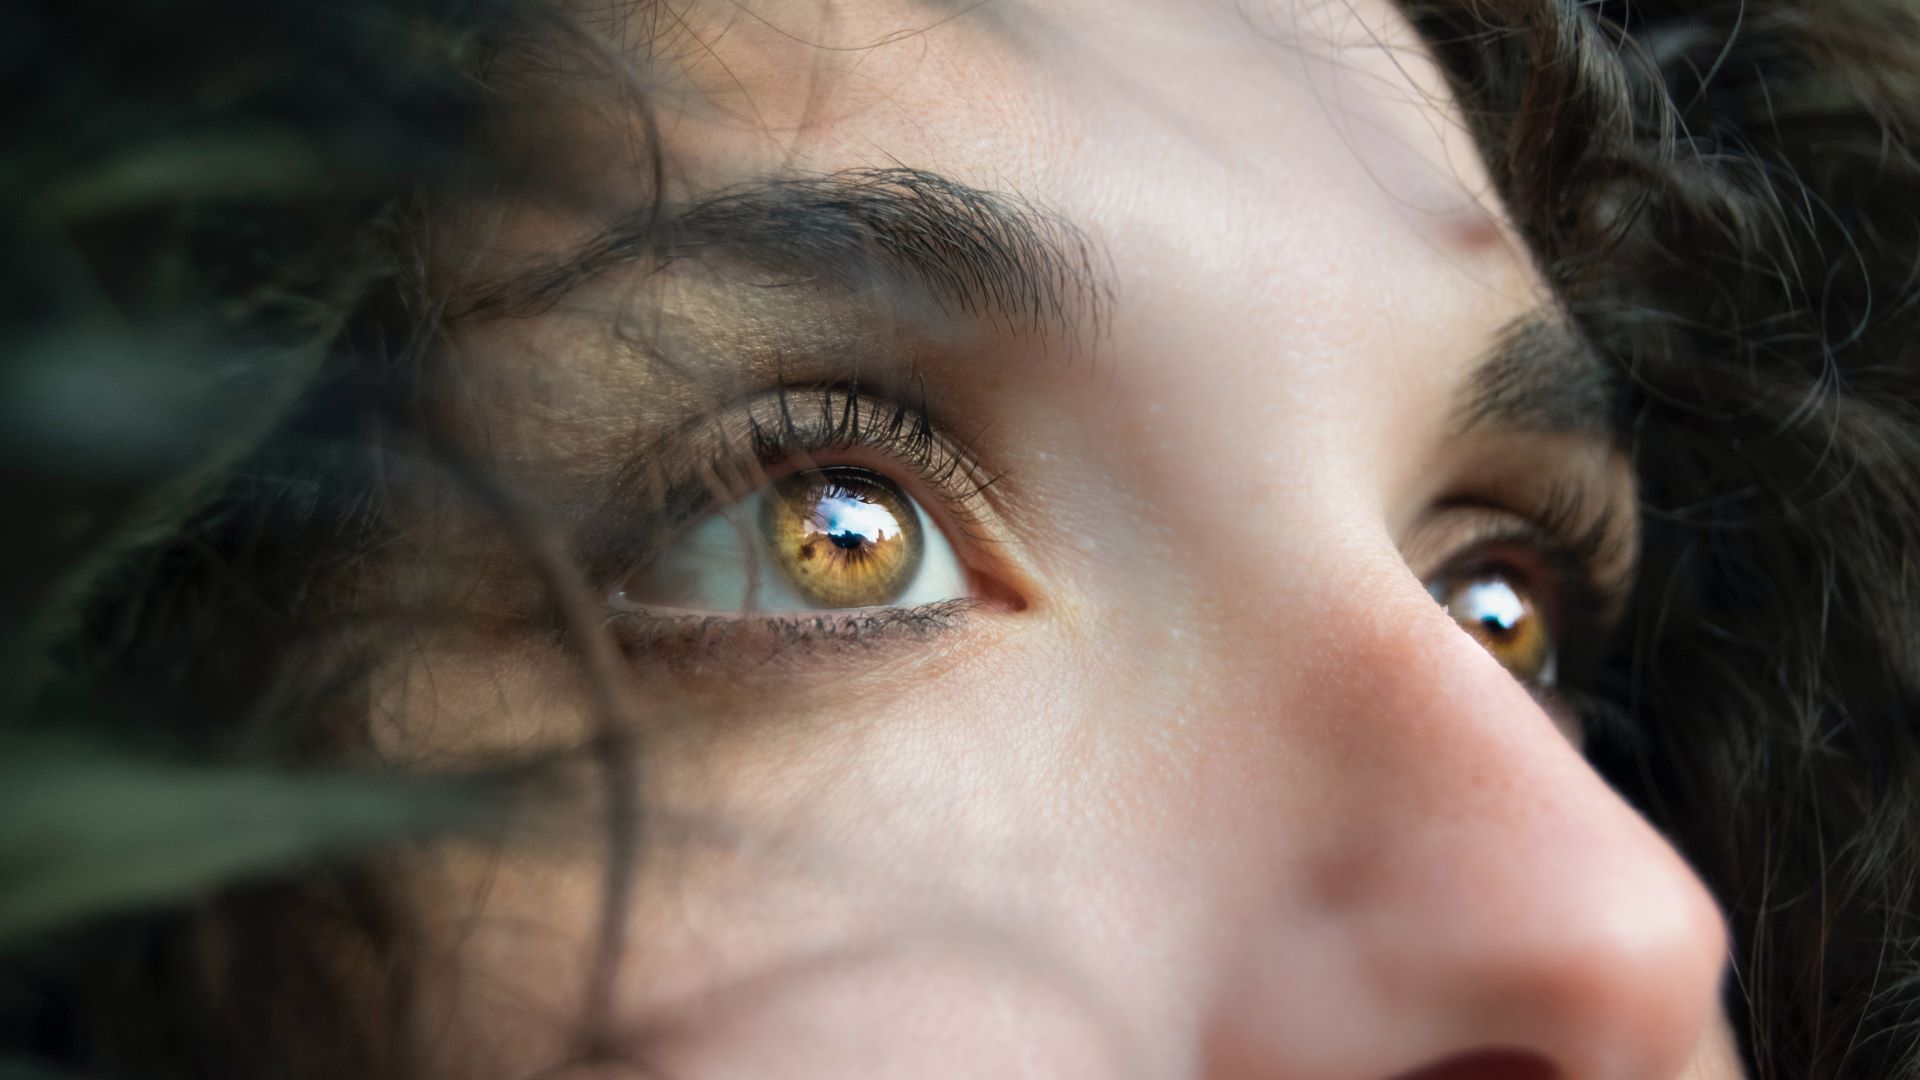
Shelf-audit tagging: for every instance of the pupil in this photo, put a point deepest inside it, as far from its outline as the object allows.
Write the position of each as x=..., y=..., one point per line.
x=847, y=541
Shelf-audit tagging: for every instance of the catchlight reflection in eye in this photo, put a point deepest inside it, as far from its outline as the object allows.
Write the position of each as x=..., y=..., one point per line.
x=845, y=538
x=1500, y=613
x=834, y=538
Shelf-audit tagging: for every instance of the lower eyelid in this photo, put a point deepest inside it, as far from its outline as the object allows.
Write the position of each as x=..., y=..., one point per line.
x=679, y=641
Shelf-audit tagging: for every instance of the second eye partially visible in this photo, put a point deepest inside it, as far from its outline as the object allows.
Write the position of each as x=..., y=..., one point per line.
x=1537, y=578
x=1498, y=609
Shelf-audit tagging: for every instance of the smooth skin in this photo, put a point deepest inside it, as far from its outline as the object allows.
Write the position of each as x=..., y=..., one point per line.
x=1207, y=785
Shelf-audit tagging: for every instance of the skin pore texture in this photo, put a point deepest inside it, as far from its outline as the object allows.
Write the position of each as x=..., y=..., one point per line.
x=1199, y=780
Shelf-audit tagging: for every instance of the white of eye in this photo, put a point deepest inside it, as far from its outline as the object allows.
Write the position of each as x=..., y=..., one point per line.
x=723, y=565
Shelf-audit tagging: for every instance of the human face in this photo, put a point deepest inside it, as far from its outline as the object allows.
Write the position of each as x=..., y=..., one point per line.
x=1186, y=344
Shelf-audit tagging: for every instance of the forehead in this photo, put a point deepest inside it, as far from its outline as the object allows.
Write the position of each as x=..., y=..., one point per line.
x=1283, y=195
x=1073, y=101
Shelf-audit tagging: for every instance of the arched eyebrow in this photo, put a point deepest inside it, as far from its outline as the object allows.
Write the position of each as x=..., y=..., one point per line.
x=1541, y=375
x=983, y=254
x=999, y=256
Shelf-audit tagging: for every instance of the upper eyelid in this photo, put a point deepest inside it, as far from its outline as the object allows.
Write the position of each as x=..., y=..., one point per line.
x=1595, y=533
x=839, y=417
x=732, y=449
x=1582, y=505
x=1587, y=535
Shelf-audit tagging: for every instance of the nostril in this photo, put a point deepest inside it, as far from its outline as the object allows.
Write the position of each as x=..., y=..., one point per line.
x=1488, y=1065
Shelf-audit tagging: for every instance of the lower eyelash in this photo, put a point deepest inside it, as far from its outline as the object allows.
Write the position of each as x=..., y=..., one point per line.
x=758, y=640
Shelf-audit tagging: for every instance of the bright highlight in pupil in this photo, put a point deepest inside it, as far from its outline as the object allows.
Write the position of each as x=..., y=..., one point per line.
x=1504, y=620
x=844, y=537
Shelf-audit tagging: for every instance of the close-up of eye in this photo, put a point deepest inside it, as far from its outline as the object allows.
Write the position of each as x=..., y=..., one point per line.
x=822, y=539
x=1499, y=609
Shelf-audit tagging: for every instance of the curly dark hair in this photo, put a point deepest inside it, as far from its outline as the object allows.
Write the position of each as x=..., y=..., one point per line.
x=214, y=214
x=1725, y=195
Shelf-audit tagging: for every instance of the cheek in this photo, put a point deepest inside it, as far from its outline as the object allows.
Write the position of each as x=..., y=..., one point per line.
x=1079, y=849
x=998, y=861
x=939, y=997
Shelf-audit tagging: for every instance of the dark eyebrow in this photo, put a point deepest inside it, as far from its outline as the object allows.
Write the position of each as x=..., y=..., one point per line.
x=1541, y=375
x=985, y=254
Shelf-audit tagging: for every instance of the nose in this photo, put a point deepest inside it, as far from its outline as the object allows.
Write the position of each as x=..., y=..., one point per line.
x=1461, y=895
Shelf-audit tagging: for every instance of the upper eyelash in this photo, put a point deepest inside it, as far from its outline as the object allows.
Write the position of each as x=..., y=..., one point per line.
x=1581, y=535
x=666, y=489
x=1578, y=543
x=905, y=431
x=1566, y=527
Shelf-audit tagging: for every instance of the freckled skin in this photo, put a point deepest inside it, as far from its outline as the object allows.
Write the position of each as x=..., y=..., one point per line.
x=1211, y=787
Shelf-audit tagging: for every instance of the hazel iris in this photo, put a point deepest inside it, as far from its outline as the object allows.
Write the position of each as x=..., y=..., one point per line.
x=844, y=537
x=1503, y=617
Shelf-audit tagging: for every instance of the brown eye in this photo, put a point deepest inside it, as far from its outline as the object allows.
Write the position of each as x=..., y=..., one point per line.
x=844, y=537
x=1503, y=616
